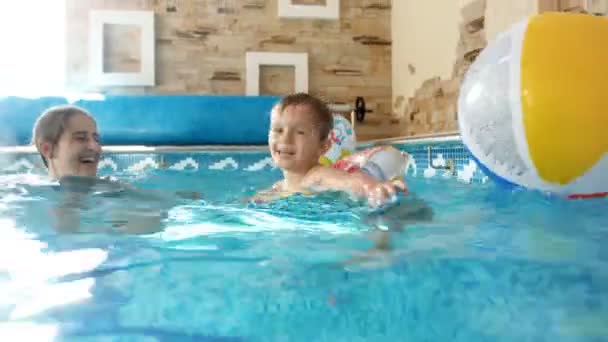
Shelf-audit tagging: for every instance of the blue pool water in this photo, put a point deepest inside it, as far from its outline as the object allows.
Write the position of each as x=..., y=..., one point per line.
x=490, y=266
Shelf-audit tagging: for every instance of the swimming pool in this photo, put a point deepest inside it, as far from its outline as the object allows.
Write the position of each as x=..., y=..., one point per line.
x=491, y=266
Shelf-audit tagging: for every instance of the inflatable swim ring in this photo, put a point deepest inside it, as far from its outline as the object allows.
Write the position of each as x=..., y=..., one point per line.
x=343, y=142
x=384, y=163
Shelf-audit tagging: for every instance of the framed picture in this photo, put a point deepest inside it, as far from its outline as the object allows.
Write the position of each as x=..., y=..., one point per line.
x=143, y=21
x=254, y=60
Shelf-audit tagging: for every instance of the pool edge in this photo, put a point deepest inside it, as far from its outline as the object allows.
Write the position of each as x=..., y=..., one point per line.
x=420, y=139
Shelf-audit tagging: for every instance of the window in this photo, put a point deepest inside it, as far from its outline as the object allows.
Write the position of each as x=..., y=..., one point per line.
x=32, y=36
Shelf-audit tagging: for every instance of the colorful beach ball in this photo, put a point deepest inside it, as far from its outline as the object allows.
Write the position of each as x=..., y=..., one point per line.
x=533, y=107
x=343, y=142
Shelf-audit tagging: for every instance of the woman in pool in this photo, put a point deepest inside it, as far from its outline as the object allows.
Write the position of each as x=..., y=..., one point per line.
x=68, y=142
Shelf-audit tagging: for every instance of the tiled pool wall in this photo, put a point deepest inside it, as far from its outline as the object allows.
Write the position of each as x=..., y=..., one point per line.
x=465, y=168
x=258, y=160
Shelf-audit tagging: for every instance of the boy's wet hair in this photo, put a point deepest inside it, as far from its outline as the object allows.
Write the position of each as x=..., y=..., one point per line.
x=52, y=123
x=322, y=115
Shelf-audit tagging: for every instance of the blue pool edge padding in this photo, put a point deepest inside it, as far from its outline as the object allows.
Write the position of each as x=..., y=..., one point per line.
x=154, y=120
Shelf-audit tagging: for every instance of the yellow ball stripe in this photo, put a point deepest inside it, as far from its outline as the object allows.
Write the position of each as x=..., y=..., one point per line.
x=564, y=92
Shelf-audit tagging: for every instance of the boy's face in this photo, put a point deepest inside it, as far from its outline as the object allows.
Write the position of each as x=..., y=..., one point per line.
x=294, y=140
x=78, y=150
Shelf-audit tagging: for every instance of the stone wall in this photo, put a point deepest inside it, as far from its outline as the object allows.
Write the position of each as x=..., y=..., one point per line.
x=201, y=45
x=595, y=7
x=433, y=108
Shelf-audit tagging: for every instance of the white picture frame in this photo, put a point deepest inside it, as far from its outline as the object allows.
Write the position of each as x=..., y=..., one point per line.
x=142, y=19
x=299, y=60
x=331, y=10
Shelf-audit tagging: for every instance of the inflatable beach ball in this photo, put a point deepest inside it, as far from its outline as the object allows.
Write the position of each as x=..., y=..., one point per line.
x=533, y=107
x=342, y=139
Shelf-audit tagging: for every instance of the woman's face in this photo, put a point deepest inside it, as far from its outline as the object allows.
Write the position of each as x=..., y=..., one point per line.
x=77, y=151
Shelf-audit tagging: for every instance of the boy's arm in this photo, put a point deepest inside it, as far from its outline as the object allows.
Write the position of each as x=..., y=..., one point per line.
x=357, y=183
x=329, y=178
x=266, y=195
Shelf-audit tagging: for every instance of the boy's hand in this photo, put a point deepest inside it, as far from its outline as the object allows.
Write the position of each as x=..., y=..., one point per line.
x=383, y=192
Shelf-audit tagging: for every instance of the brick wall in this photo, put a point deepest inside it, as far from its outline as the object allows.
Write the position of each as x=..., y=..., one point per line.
x=201, y=45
